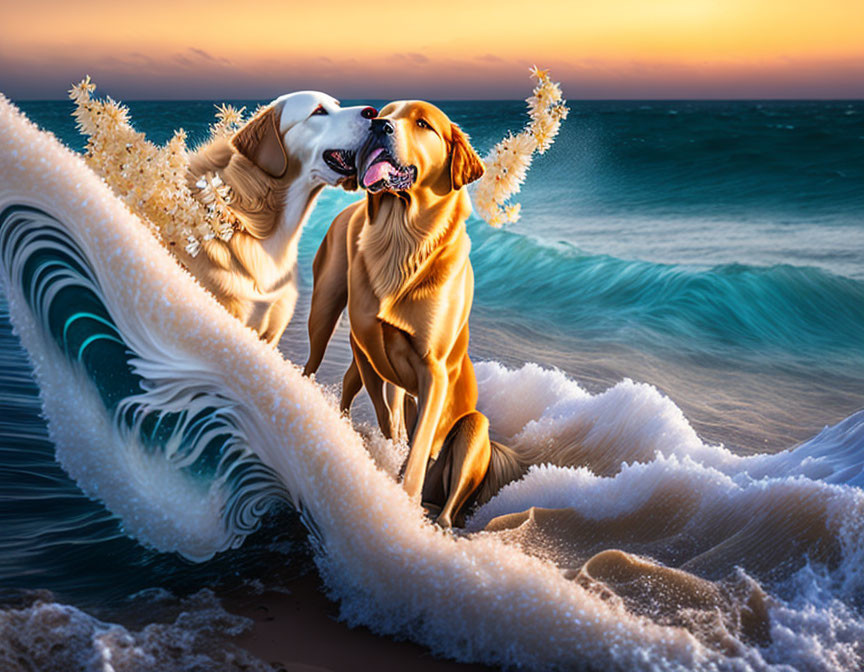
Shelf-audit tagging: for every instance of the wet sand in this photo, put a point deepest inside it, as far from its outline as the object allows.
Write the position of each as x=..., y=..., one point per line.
x=299, y=632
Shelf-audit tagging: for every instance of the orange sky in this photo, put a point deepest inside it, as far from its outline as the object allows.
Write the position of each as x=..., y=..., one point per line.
x=436, y=49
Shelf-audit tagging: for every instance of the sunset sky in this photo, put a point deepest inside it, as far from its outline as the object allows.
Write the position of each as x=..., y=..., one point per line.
x=436, y=49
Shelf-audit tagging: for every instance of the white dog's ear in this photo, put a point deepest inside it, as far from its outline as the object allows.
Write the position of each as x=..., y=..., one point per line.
x=260, y=141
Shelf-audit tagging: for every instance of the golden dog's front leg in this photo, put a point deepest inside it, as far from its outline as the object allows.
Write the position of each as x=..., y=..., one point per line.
x=374, y=385
x=395, y=397
x=352, y=383
x=431, y=393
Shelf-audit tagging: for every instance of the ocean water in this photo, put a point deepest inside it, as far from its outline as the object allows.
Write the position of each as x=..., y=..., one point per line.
x=681, y=307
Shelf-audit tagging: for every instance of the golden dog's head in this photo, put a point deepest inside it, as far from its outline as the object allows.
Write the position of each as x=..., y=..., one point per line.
x=414, y=145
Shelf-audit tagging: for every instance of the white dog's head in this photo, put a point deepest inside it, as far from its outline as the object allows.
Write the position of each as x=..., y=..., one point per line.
x=306, y=133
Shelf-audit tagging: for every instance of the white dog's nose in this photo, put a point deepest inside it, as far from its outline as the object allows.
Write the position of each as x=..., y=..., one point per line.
x=369, y=113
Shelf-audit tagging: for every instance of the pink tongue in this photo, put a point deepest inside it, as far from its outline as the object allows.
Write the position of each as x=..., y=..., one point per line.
x=378, y=171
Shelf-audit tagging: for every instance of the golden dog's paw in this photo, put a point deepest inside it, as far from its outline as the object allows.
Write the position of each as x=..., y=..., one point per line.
x=443, y=521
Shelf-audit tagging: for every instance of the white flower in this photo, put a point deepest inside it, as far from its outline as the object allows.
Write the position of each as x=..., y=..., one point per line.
x=82, y=90
x=228, y=120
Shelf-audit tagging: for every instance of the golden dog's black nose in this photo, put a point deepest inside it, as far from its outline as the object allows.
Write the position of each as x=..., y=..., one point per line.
x=383, y=126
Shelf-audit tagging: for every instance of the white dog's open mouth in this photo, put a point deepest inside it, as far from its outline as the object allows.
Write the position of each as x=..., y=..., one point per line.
x=383, y=171
x=341, y=161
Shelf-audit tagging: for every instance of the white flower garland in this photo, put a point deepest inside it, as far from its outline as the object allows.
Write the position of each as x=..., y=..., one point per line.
x=508, y=161
x=151, y=180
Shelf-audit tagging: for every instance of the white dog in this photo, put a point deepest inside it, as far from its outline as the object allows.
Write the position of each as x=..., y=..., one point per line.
x=275, y=167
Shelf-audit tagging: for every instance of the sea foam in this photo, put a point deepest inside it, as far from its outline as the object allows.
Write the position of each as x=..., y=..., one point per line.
x=480, y=597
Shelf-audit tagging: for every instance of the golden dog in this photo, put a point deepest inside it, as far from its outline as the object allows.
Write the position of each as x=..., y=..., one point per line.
x=399, y=261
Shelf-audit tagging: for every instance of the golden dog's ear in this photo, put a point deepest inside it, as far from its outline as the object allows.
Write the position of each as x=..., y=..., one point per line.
x=260, y=141
x=465, y=165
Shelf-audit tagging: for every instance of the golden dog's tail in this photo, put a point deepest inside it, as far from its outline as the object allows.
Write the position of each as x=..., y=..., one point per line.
x=505, y=466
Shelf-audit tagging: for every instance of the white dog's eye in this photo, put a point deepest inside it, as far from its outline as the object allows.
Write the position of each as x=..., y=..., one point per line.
x=422, y=123
x=320, y=110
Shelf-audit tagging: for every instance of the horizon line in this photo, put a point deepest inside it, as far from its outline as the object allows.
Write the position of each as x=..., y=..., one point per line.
x=486, y=100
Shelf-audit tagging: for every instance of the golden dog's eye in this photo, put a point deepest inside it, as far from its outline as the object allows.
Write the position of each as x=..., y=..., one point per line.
x=422, y=123
x=320, y=110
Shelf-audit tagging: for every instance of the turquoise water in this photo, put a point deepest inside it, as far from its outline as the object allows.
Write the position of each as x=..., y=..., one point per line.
x=713, y=250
